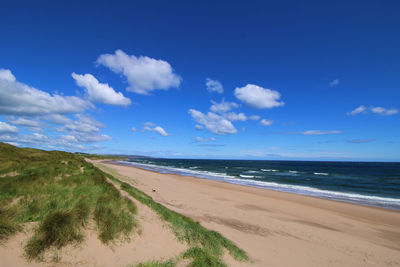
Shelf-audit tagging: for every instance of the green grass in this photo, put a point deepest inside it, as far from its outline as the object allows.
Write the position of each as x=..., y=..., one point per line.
x=62, y=193
x=97, y=156
x=202, y=257
x=187, y=229
x=156, y=264
x=206, y=246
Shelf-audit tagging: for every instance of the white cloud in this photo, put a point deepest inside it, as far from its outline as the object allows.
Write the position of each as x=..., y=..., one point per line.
x=85, y=129
x=133, y=129
x=26, y=122
x=144, y=74
x=214, y=86
x=360, y=109
x=34, y=106
x=391, y=111
x=13, y=143
x=320, y=132
x=384, y=111
x=334, y=83
x=149, y=124
x=377, y=110
x=7, y=128
x=203, y=140
x=232, y=116
x=258, y=97
x=6, y=75
x=223, y=106
x=151, y=127
x=83, y=124
x=254, y=117
x=100, y=92
x=20, y=99
x=65, y=141
x=57, y=119
x=265, y=122
x=213, y=122
x=198, y=127
x=160, y=130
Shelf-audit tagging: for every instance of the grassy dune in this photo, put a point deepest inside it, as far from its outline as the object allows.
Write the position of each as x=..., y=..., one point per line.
x=61, y=192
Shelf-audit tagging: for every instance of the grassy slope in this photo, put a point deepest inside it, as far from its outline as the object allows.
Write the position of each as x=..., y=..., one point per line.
x=62, y=192
x=97, y=156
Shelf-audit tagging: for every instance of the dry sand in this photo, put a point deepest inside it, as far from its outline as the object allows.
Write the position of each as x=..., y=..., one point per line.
x=278, y=229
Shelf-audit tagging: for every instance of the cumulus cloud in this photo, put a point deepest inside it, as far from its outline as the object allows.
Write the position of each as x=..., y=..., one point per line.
x=265, y=122
x=133, y=129
x=223, y=106
x=214, y=86
x=334, y=83
x=144, y=74
x=360, y=109
x=213, y=122
x=377, y=110
x=7, y=128
x=151, y=127
x=258, y=97
x=7, y=75
x=160, y=130
x=232, y=116
x=30, y=107
x=320, y=132
x=100, y=92
x=84, y=129
x=20, y=99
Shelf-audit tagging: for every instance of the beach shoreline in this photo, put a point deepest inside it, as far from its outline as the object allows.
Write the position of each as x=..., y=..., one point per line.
x=320, y=188
x=277, y=228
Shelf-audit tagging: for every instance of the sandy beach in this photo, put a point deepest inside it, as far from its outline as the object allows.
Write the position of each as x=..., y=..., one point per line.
x=274, y=228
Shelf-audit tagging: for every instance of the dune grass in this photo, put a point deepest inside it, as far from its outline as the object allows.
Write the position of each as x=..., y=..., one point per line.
x=206, y=246
x=61, y=192
x=98, y=156
x=169, y=263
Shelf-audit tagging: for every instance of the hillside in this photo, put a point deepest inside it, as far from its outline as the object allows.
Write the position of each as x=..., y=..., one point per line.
x=59, y=205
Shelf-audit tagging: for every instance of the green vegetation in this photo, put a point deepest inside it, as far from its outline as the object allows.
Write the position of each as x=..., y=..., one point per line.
x=206, y=246
x=61, y=192
x=157, y=264
x=97, y=156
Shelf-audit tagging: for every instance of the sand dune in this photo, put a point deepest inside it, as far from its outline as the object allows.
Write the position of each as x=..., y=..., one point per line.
x=155, y=241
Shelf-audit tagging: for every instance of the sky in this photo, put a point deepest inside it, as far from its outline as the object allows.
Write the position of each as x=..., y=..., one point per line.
x=278, y=80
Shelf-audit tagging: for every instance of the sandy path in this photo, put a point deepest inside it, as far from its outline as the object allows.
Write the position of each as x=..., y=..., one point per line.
x=279, y=229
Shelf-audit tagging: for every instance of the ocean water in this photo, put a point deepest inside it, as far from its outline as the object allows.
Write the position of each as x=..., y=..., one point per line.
x=365, y=183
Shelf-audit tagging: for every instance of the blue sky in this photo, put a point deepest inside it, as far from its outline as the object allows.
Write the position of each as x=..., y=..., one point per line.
x=307, y=80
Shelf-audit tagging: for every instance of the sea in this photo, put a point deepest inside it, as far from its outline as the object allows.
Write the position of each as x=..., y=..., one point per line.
x=365, y=183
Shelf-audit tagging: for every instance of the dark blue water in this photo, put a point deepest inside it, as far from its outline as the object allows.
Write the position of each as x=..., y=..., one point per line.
x=366, y=183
